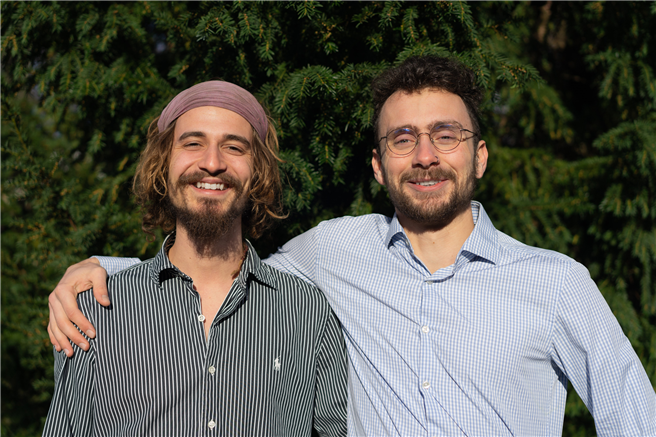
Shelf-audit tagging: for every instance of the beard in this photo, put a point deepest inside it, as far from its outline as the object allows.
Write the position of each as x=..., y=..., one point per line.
x=426, y=208
x=211, y=221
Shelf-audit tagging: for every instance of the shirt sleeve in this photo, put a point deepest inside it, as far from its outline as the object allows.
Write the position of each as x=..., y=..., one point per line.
x=71, y=408
x=330, y=393
x=298, y=256
x=597, y=358
x=115, y=264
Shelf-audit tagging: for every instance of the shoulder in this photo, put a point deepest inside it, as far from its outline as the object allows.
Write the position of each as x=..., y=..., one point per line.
x=508, y=251
x=355, y=222
x=297, y=303
x=298, y=293
x=292, y=285
x=126, y=285
x=550, y=262
x=327, y=239
x=516, y=248
x=349, y=229
x=134, y=272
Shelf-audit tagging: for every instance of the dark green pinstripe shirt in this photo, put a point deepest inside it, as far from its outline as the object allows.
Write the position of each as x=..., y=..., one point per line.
x=274, y=362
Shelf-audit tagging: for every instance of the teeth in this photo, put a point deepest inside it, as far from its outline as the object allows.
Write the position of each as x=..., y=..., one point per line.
x=427, y=183
x=206, y=186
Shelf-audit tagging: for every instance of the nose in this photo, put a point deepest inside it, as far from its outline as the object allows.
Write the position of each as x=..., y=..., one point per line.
x=212, y=160
x=425, y=154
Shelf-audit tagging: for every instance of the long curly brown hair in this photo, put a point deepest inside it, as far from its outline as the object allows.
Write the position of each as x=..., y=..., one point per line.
x=150, y=185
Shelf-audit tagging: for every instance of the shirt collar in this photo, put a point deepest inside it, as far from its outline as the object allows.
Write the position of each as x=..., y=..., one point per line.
x=481, y=242
x=162, y=269
x=395, y=233
x=253, y=267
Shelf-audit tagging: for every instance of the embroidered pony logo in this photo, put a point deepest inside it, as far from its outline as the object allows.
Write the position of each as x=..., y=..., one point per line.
x=276, y=364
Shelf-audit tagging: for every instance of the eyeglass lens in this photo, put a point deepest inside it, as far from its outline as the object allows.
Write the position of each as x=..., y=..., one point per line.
x=405, y=139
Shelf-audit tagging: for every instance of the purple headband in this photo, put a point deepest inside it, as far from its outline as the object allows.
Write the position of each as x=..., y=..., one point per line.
x=221, y=94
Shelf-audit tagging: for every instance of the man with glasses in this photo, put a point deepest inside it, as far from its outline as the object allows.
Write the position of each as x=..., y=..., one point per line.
x=452, y=327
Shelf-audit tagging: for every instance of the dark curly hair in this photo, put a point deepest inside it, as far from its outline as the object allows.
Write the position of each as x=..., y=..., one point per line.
x=421, y=72
x=150, y=185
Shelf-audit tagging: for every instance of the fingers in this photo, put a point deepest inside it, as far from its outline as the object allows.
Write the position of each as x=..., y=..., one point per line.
x=64, y=312
x=57, y=338
x=53, y=340
x=61, y=328
x=98, y=277
x=83, y=276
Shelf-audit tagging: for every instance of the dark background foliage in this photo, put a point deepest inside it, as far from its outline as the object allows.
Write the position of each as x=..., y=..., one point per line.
x=570, y=121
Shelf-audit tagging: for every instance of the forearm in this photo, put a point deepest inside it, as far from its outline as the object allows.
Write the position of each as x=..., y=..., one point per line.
x=115, y=264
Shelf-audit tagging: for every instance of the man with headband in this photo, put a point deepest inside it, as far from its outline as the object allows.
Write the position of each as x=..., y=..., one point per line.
x=204, y=339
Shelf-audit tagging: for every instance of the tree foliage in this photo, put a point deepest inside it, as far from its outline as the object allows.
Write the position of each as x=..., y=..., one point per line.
x=570, y=121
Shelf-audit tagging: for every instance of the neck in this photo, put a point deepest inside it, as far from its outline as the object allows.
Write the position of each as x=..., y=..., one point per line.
x=218, y=260
x=438, y=248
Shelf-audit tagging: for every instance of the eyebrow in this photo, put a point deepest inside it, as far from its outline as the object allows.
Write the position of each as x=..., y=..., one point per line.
x=227, y=137
x=191, y=134
x=431, y=125
x=237, y=138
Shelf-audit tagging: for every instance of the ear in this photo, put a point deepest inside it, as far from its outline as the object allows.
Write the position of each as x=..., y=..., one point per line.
x=377, y=164
x=481, y=153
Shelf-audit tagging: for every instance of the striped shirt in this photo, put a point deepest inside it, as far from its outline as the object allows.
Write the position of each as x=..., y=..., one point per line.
x=274, y=362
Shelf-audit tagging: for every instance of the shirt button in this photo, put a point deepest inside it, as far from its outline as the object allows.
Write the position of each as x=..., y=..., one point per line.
x=425, y=384
x=212, y=369
x=425, y=329
x=211, y=425
x=201, y=318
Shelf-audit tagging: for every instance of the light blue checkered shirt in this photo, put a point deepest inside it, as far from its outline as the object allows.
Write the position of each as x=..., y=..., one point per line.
x=484, y=347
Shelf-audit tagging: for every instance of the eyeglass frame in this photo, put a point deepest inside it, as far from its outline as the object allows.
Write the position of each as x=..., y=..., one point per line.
x=417, y=135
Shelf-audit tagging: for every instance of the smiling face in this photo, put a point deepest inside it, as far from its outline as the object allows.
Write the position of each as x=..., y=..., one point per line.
x=428, y=187
x=210, y=172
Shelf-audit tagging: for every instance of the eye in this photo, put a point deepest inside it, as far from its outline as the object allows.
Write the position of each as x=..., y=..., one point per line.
x=234, y=149
x=445, y=134
x=191, y=145
x=403, y=138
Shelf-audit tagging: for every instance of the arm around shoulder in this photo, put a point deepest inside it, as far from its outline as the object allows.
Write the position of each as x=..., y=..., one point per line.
x=114, y=264
x=298, y=256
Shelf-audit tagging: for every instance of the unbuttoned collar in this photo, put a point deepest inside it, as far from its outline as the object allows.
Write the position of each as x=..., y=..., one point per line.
x=254, y=268
x=162, y=269
x=395, y=233
x=481, y=242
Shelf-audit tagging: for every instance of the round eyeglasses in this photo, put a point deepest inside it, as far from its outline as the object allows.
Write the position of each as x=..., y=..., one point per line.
x=446, y=137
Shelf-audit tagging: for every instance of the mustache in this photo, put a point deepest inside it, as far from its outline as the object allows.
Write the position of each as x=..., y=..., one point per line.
x=431, y=173
x=197, y=176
